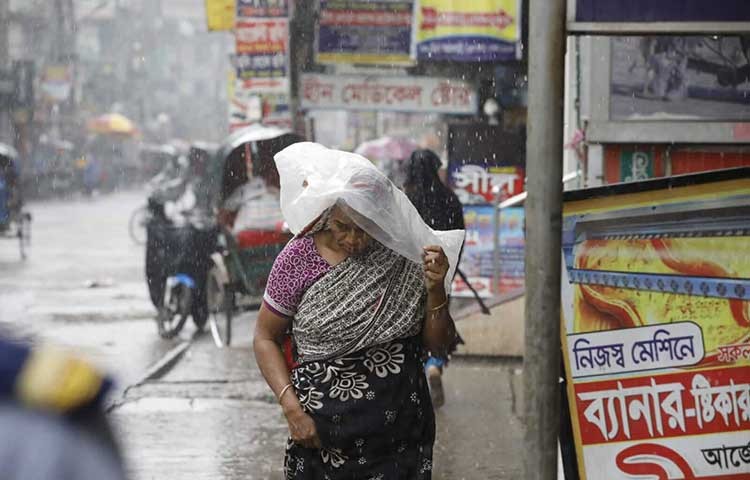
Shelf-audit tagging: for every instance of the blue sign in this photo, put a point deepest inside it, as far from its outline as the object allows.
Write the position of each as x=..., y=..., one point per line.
x=365, y=32
x=643, y=11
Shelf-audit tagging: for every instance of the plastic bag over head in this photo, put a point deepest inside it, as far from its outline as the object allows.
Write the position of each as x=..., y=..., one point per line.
x=315, y=178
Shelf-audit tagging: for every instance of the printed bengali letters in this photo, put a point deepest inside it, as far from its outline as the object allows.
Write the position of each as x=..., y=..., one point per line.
x=727, y=457
x=611, y=411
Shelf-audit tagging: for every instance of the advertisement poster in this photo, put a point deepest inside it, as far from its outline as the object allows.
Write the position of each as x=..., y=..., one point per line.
x=262, y=8
x=680, y=78
x=259, y=101
x=261, y=46
x=399, y=94
x=365, y=32
x=478, y=255
x=475, y=31
x=656, y=328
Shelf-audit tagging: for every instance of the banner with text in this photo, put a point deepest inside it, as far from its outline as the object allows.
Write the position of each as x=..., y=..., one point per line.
x=476, y=31
x=656, y=329
x=365, y=32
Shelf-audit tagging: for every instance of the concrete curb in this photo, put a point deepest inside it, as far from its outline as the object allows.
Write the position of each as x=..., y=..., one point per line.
x=157, y=370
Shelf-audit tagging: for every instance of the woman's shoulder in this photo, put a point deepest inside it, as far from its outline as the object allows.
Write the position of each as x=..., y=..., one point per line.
x=300, y=255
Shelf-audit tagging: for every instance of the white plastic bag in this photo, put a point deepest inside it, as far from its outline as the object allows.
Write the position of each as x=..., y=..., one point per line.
x=314, y=178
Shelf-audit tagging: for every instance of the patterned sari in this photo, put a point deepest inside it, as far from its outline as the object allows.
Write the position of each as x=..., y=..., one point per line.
x=360, y=377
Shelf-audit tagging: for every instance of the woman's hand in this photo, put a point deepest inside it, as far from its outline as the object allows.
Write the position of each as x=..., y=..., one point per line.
x=435, y=268
x=302, y=427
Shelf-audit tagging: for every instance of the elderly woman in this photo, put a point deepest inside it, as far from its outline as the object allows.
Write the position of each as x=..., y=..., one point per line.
x=365, y=305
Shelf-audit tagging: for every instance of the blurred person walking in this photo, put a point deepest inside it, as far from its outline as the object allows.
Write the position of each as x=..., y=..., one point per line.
x=52, y=421
x=441, y=209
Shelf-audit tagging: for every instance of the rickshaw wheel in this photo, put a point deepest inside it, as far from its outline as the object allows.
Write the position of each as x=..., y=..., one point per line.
x=220, y=299
x=173, y=314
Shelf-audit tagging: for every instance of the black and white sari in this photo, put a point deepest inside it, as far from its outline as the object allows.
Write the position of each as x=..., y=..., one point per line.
x=360, y=375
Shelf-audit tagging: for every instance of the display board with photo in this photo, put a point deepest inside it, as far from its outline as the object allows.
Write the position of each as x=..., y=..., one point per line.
x=705, y=78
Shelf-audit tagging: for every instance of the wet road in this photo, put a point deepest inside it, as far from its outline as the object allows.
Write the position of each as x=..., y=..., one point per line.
x=82, y=285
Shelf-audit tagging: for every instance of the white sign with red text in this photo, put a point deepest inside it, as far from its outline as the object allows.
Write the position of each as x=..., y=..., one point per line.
x=405, y=94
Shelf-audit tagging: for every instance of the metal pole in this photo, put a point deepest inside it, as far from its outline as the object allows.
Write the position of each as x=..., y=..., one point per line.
x=544, y=159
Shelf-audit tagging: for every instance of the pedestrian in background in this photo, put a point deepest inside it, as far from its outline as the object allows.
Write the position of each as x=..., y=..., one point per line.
x=441, y=209
x=52, y=421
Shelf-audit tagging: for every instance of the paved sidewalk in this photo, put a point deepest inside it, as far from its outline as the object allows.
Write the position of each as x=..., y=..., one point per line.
x=212, y=417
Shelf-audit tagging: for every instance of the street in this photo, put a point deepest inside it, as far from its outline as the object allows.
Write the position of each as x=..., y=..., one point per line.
x=184, y=408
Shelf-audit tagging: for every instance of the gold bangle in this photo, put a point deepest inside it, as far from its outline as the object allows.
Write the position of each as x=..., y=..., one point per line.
x=435, y=309
x=284, y=390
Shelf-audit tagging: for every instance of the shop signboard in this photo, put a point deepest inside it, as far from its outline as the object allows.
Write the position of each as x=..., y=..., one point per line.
x=655, y=327
x=485, y=163
x=476, y=31
x=664, y=16
x=478, y=254
x=365, y=32
x=220, y=15
x=388, y=93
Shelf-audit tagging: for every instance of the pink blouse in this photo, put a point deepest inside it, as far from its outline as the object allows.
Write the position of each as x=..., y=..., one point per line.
x=295, y=270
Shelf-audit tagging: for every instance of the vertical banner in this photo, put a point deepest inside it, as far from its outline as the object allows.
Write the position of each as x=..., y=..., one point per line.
x=468, y=31
x=365, y=32
x=261, y=90
x=656, y=327
x=220, y=15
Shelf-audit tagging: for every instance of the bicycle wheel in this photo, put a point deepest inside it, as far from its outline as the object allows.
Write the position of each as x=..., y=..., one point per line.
x=137, y=226
x=220, y=299
x=174, y=311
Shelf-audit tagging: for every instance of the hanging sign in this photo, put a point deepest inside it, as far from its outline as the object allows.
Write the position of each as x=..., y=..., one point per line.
x=475, y=31
x=365, y=32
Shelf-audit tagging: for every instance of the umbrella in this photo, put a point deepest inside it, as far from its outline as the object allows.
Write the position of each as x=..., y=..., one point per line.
x=387, y=148
x=253, y=133
x=112, y=123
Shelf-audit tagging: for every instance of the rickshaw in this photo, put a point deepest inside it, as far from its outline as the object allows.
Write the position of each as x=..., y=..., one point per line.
x=15, y=222
x=181, y=236
x=251, y=229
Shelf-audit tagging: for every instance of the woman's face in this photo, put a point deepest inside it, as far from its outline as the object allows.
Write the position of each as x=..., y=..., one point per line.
x=352, y=239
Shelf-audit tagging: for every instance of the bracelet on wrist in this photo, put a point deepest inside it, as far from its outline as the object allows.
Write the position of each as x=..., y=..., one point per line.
x=439, y=307
x=283, y=391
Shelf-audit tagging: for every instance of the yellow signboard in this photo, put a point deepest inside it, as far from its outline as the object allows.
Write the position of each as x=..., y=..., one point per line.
x=220, y=14
x=656, y=327
x=479, y=30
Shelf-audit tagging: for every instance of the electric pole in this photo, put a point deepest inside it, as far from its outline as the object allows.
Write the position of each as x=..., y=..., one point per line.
x=544, y=162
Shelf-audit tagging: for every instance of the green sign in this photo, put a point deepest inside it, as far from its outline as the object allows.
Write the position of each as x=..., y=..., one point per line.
x=636, y=165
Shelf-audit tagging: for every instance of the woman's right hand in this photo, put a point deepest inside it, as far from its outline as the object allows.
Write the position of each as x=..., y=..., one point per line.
x=302, y=427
